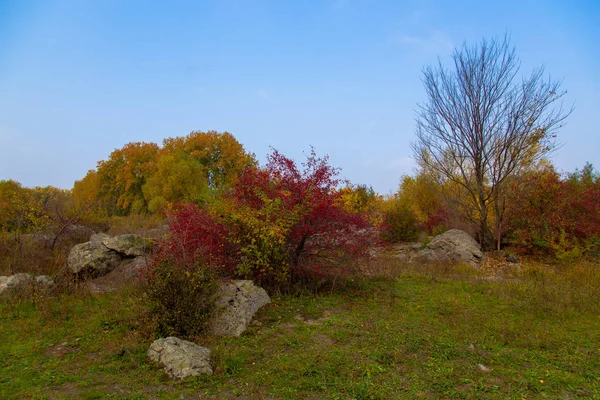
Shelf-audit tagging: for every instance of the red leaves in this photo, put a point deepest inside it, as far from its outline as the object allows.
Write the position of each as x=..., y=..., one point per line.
x=196, y=238
x=555, y=215
x=280, y=226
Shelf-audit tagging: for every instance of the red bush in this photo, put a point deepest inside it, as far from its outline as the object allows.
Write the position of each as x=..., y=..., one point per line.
x=196, y=238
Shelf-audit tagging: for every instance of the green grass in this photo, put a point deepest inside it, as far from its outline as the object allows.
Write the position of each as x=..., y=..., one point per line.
x=420, y=334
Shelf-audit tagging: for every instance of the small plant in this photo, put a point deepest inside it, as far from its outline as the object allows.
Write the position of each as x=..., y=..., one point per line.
x=180, y=300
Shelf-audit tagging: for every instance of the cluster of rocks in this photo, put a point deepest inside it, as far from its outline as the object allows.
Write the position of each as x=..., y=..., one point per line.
x=236, y=303
x=451, y=246
x=20, y=280
x=103, y=253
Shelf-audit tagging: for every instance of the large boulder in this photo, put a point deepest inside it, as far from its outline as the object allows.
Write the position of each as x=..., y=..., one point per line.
x=93, y=258
x=451, y=246
x=236, y=302
x=128, y=245
x=180, y=358
x=104, y=253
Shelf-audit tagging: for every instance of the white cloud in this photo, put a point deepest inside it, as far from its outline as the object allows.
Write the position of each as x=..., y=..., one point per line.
x=436, y=42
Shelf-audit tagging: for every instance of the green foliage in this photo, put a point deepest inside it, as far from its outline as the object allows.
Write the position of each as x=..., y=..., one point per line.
x=178, y=178
x=122, y=177
x=143, y=177
x=180, y=300
x=399, y=223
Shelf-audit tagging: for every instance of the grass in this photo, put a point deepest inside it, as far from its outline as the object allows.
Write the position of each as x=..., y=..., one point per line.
x=416, y=333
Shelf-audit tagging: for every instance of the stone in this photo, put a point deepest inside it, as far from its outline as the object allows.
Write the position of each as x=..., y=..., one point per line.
x=93, y=258
x=451, y=246
x=128, y=245
x=44, y=280
x=13, y=281
x=180, y=358
x=235, y=304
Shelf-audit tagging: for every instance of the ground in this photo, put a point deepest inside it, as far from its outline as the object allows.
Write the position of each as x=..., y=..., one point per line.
x=408, y=333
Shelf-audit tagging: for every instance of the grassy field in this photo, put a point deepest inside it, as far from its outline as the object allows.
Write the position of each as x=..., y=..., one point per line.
x=417, y=333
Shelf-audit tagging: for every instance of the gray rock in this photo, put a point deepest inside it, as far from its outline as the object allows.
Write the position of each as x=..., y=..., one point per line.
x=98, y=238
x=180, y=358
x=451, y=246
x=13, y=281
x=236, y=302
x=128, y=245
x=44, y=280
x=93, y=258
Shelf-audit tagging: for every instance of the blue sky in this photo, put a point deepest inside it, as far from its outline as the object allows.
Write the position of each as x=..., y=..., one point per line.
x=80, y=78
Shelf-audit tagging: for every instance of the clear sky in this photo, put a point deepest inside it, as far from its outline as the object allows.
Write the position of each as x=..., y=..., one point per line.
x=80, y=78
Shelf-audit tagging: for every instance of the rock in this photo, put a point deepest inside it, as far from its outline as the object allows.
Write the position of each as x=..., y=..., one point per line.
x=13, y=281
x=124, y=273
x=93, y=258
x=236, y=303
x=103, y=254
x=451, y=246
x=44, y=280
x=180, y=358
x=128, y=245
x=19, y=280
x=98, y=238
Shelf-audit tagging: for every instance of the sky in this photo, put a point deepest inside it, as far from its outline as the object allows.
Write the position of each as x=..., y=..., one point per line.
x=81, y=78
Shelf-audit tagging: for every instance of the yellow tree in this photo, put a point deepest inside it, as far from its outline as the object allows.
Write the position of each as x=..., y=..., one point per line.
x=221, y=156
x=178, y=178
x=123, y=175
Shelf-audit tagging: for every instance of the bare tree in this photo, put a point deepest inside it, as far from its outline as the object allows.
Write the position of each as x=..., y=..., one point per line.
x=481, y=125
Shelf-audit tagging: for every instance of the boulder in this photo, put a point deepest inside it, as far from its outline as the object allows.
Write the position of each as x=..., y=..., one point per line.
x=13, y=281
x=18, y=280
x=180, y=358
x=236, y=302
x=128, y=245
x=104, y=253
x=93, y=258
x=44, y=280
x=451, y=246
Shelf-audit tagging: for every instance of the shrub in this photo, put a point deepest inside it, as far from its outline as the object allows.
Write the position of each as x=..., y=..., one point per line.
x=180, y=300
x=290, y=226
x=279, y=226
x=559, y=217
x=183, y=277
x=399, y=223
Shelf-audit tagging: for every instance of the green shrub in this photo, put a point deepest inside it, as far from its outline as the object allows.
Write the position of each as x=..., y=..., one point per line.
x=399, y=225
x=180, y=300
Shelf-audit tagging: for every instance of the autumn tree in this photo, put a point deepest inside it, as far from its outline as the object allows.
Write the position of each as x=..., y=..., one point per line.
x=221, y=156
x=15, y=206
x=86, y=191
x=481, y=124
x=179, y=178
x=123, y=175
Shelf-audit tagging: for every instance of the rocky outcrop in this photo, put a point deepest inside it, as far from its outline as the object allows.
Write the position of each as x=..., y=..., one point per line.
x=180, y=358
x=103, y=253
x=93, y=258
x=17, y=281
x=236, y=303
x=451, y=246
x=128, y=245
